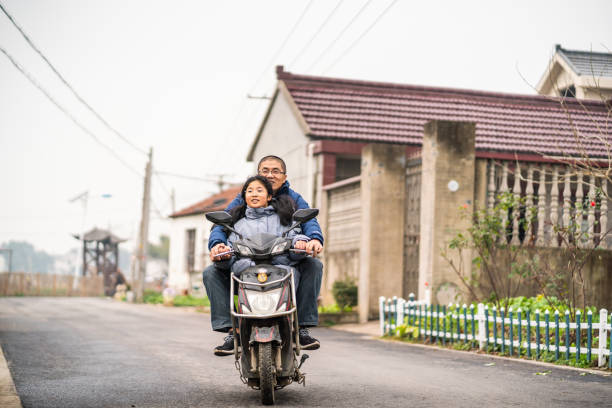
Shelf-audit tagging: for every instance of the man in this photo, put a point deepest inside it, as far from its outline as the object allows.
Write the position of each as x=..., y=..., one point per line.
x=217, y=282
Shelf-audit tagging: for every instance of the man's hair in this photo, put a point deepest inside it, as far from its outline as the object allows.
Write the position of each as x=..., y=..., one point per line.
x=272, y=157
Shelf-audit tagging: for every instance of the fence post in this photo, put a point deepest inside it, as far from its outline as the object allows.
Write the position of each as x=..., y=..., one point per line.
x=400, y=312
x=556, y=335
x=411, y=309
x=603, y=337
x=589, y=334
x=567, y=343
x=381, y=316
x=481, y=326
x=578, y=322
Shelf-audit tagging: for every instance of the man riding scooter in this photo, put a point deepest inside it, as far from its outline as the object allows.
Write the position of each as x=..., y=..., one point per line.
x=217, y=281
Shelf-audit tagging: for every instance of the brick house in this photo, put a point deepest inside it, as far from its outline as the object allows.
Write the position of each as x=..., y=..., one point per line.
x=189, y=232
x=377, y=159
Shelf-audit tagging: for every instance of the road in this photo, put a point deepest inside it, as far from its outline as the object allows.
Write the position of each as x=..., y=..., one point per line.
x=95, y=352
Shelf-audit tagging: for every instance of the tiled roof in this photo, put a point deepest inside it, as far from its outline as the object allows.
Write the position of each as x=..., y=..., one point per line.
x=598, y=64
x=364, y=111
x=217, y=202
x=97, y=234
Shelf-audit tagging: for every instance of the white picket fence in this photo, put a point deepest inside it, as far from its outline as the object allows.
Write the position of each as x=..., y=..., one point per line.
x=455, y=323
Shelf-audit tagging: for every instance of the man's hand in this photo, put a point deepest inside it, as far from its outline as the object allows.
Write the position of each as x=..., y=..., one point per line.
x=300, y=245
x=217, y=249
x=314, y=247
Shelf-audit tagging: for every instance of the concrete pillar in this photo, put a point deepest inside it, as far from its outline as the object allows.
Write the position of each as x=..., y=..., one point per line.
x=383, y=191
x=447, y=185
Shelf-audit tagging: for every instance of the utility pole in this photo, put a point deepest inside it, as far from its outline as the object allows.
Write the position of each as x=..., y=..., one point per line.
x=173, y=200
x=144, y=232
x=83, y=197
x=221, y=183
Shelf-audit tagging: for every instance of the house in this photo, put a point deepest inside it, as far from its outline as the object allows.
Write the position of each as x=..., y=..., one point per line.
x=390, y=164
x=580, y=74
x=189, y=232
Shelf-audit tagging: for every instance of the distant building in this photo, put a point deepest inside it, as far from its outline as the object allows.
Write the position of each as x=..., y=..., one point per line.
x=189, y=232
x=579, y=74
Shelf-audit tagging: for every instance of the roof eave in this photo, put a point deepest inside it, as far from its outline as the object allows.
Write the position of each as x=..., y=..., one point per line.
x=282, y=88
x=560, y=60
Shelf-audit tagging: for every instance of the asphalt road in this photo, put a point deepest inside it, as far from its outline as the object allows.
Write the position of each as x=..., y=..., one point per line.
x=88, y=352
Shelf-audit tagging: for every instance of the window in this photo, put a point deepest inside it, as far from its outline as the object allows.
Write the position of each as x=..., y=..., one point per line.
x=569, y=92
x=190, y=250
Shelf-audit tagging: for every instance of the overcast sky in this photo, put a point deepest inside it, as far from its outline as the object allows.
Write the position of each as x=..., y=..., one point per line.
x=174, y=76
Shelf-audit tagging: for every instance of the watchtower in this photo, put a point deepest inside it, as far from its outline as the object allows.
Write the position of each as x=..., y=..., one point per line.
x=101, y=256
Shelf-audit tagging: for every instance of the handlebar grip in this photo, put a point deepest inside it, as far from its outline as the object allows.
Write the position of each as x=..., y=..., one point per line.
x=231, y=251
x=302, y=251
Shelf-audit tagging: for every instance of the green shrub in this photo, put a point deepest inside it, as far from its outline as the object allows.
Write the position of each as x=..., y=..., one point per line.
x=152, y=296
x=345, y=293
x=334, y=309
x=188, y=300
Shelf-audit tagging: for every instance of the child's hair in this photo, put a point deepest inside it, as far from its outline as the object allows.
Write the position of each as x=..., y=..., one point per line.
x=283, y=204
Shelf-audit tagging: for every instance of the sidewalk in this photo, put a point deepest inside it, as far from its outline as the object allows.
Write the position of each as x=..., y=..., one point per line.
x=8, y=393
x=371, y=328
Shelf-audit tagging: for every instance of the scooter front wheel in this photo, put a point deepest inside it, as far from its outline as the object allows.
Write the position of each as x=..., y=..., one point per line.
x=267, y=373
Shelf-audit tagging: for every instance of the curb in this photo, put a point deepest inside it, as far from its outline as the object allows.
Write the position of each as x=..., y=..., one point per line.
x=504, y=358
x=8, y=392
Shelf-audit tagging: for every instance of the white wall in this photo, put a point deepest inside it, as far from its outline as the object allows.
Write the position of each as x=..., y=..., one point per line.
x=283, y=137
x=178, y=275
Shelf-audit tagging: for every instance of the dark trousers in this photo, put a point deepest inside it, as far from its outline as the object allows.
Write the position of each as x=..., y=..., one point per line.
x=217, y=283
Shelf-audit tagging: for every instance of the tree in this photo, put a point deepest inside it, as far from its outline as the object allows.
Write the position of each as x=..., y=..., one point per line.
x=27, y=259
x=498, y=268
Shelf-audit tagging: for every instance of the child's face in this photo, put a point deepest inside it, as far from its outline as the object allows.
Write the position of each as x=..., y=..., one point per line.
x=256, y=195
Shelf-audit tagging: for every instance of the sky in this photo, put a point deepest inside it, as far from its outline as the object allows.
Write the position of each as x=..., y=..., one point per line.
x=174, y=77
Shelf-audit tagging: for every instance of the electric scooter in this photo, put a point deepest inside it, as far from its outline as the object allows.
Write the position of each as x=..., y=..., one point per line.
x=265, y=315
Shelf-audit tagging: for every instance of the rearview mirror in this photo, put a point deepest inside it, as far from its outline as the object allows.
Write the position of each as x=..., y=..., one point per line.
x=305, y=214
x=219, y=217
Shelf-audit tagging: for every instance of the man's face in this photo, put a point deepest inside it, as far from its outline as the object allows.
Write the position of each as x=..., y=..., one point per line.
x=273, y=171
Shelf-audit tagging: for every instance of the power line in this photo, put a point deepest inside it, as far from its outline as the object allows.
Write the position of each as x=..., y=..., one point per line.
x=346, y=27
x=350, y=47
x=272, y=60
x=65, y=112
x=61, y=77
x=305, y=47
x=232, y=128
x=204, y=179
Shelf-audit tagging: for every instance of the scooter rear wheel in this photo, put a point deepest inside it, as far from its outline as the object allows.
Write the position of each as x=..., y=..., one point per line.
x=267, y=374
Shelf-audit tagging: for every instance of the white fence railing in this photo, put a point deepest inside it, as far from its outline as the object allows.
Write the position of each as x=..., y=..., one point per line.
x=519, y=333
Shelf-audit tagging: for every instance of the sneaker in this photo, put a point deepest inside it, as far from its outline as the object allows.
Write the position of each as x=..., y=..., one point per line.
x=227, y=348
x=306, y=341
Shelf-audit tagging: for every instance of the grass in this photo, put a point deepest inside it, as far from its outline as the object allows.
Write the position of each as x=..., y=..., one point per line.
x=154, y=297
x=335, y=309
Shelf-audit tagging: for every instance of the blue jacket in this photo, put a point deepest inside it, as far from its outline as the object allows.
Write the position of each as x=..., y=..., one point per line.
x=310, y=228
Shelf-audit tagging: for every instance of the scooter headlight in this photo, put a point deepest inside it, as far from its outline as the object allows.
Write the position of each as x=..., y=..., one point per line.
x=262, y=302
x=244, y=250
x=279, y=248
